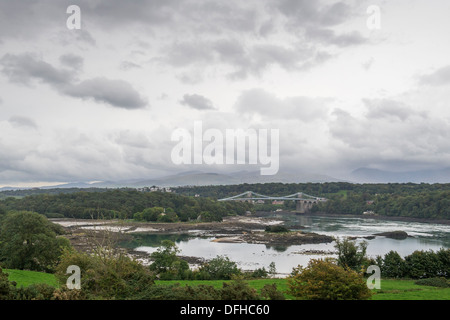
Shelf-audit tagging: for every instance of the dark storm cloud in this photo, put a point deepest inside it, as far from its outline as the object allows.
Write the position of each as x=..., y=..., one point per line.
x=25, y=67
x=200, y=33
x=197, y=101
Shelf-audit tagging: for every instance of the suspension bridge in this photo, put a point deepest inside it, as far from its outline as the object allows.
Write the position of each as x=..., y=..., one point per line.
x=304, y=202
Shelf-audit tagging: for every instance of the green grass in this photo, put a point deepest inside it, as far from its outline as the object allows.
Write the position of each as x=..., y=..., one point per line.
x=258, y=284
x=390, y=289
x=25, y=278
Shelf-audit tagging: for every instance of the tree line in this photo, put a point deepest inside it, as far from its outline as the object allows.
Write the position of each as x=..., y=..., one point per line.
x=125, y=204
x=389, y=199
x=423, y=200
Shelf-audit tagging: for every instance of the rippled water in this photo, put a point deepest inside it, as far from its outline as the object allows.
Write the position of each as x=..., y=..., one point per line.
x=425, y=236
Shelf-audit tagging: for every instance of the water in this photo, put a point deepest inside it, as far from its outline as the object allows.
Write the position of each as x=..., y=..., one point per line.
x=426, y=236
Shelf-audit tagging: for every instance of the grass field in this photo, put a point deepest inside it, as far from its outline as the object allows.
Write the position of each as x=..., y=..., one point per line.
x=390, y=289
x=25, y=278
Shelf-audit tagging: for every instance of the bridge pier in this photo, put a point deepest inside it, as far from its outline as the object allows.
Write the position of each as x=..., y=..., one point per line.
x=304, y=206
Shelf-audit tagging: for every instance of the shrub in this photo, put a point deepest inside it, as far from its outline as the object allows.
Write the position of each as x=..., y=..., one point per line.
x=324, y=280
x=393, y=266
x=219, y=268
x=270, y=292
x=29, y=241
x=40, y=291
x=238, y=289
x=166, y=263
x=350, y=255
x=423, y=264
x=105, y=274
x=258, y=273
x=5, y=286
x=276, y=229
x=434, y=282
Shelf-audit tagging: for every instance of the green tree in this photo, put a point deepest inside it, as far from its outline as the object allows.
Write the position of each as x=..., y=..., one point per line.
x=166, y=263
x=325, y=280
x=105, y=274
x=351, y=255
x=393, y=266
x=29, y=241
x=5, y=286
x=423, y=264
x=220, y=268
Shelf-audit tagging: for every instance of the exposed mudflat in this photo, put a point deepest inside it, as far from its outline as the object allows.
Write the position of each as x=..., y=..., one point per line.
x=86, y=234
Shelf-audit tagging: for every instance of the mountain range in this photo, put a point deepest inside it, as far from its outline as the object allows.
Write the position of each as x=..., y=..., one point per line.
x=200, y=178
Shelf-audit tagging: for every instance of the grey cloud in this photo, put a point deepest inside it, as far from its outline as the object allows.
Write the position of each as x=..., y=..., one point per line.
x=244, y=59
x=117, y=93
x=385, y=108
x=308, y=12
x=313, y=19
x=23, y=122
x=128, y=65
x=379, y=140
x=79, y=37
x=187, y=53
x=437, y=78
x=25, y=67
x=258, y=101
x=72, y=61
x=196, y=101
x=328, y=36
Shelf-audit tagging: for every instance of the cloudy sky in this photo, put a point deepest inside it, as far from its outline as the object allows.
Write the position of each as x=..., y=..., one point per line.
x=101, y=102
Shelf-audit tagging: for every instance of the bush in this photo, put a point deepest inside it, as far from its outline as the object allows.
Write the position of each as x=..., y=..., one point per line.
x=5, y=286
x=29, y=241
x=105, y=274
x=238, y=289
x=258, y=273
x=270, y=292
x=41, y=291
x=434, y=282
x=167, y=265
x=423, y=264
x=350, y=255
x=393, y=266
x=276, y=229
x=219, y=268
x=324, y=280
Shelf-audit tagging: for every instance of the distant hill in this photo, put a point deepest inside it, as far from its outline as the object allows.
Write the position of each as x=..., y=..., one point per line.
x=198, y=178
x=367, y=175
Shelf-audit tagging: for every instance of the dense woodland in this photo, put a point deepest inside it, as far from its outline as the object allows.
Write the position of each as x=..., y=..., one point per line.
x=431, y=201
x=391, y=199
x=125, y=204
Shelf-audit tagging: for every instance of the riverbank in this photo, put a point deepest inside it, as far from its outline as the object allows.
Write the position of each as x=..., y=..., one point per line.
x=85, y=234
x=343, y=215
